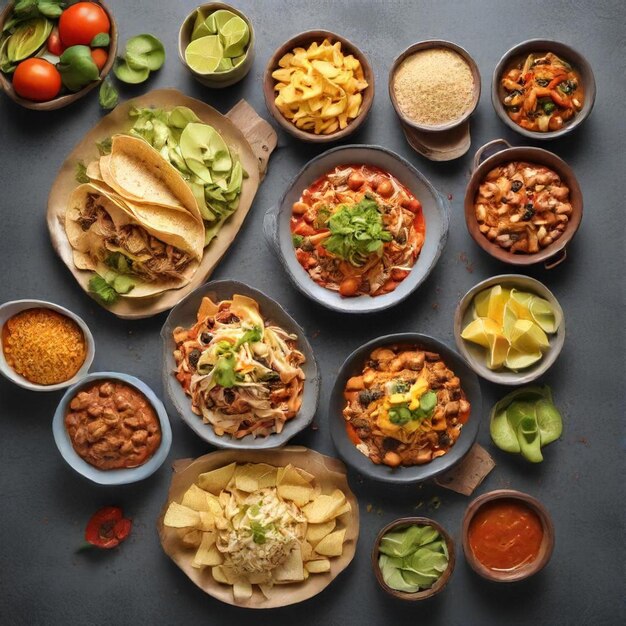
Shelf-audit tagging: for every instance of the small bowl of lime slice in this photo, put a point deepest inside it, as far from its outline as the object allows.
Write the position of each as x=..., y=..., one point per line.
x=216, y=44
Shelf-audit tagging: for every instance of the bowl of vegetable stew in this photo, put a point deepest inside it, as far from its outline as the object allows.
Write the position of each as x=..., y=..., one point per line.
x=523, y=205
x=282, y=228
x=543, y=89
x=81, y=19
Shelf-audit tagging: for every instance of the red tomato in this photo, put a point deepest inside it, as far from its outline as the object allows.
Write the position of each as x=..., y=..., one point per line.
x=54, y=44
x=100, y=56
x=37, y=79
x=81, y=22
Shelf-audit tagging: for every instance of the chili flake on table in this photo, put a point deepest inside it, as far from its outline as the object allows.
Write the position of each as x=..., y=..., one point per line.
x=43, y=346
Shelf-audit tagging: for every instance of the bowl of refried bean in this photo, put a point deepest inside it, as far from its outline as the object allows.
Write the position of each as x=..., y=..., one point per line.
x=112, y=429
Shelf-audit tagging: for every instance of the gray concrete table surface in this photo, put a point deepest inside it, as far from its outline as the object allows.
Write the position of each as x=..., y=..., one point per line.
x=45, y=505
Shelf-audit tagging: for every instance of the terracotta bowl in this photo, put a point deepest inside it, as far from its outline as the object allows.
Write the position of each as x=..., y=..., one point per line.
x=545, y=550
x=219, y=79
x=304, y=40
x=476, y=356
x=398, y=524
x=498, y=152
x=63, y=100
x=579, y=63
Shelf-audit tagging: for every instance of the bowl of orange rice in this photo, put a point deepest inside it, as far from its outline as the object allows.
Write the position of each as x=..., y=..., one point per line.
x=45, y=347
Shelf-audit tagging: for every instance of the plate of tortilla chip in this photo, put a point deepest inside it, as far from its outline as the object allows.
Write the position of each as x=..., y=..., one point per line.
x=149, y=201
x=260, y=529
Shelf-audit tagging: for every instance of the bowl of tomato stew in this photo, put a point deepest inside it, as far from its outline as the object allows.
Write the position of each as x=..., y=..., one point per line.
x=543, y=89
x=507, y=535
x=358, y=229
x=112, y=429
x=404, y=408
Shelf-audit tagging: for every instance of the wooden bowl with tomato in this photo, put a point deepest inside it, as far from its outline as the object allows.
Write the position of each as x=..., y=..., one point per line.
x=30, y=75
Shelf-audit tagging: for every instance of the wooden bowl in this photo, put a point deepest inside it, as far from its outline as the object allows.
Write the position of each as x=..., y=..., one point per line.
x=442, y=581
x=217, y=80
x=304, y=40
x=496, y=153
x=63, y=100
x=545, y=550
x=578, y=61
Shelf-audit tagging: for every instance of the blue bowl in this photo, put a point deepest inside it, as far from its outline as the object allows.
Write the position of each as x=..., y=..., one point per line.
x=415, y=473
x=114, y=476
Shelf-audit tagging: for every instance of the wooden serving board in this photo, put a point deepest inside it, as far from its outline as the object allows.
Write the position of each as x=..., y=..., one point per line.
x=250, y=136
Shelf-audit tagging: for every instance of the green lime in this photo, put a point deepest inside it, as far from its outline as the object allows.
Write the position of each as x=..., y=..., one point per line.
x=211, y=25
x=235, y=37
x=221, y=17
x=224, y=65
x=204, y=55
x=238, y=60
x=200, y=30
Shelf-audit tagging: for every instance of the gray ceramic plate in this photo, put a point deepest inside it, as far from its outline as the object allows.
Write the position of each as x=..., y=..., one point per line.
x=476, y=355
x=417, y=473
x=184, y=314
x=436, y=215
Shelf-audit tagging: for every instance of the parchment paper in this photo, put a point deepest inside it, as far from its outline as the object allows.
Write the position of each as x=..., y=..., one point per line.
x=254, y=160
x=329, y=473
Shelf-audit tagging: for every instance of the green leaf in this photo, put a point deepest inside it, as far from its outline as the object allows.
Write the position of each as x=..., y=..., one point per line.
x=224, y=373
x=80, y=173
x=99, y=287
x=357, y=232
x=104, y=146
x=101, y=40
x=51, y=8
x=108, y=96
x=250, y=336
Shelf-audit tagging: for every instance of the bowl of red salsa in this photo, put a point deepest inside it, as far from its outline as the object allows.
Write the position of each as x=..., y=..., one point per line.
x=507, y=535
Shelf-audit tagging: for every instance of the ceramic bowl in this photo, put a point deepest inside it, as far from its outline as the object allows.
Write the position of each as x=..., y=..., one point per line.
x=426, y=45
x=520, y=573
x=9, y=309
x=578, y=61
x=116, y=476
x=184, y=314
x=218, y=79
x=304, y=40
x=353, y=366
x=499, y=152
x=441, y=582
x=436, y=215
x=476, y=355
x=68, y=98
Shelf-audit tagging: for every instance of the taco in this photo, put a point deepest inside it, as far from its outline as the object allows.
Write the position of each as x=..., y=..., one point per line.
x=139, y=174
x=107, y=237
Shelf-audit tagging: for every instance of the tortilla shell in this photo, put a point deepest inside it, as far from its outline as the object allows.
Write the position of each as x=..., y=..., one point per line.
x=139, y=173
x=247, y=130
x=330, y=474
x=84, y=243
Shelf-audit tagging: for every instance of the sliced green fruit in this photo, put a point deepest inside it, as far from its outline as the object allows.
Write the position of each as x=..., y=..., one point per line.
x=481, y=303
x=145, y=51
x=526, y=336
x=27, y=38
x=238, y=60
x=224, y=65
x=498, y=350
x=204, y=55
x=200, y=28
x=516, y=360
x=479, y=330
x=221, y=18
x=235, y=37
x=128, y=74
x=544, y=315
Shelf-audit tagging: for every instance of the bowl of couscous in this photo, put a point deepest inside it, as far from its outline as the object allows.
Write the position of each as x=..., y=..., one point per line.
x=434, y=87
